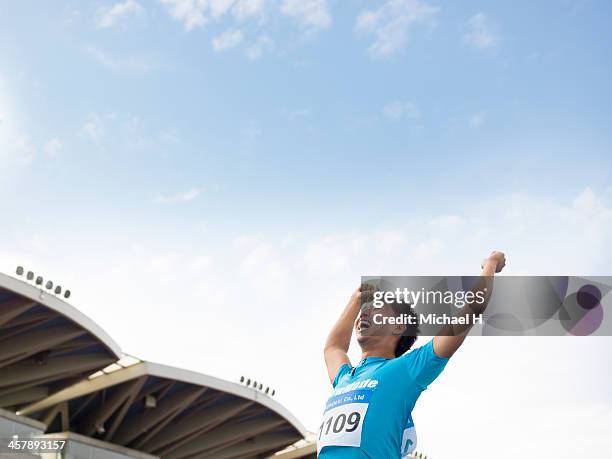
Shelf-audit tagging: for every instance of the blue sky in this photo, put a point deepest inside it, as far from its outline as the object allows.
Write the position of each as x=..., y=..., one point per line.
x=477, y=99
x=185, y=155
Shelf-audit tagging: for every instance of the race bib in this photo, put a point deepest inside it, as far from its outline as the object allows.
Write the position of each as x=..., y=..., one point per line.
x=343, y=419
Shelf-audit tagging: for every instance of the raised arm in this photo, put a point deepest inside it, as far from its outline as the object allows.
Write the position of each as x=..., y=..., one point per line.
x=339, y=339
x=453, y=337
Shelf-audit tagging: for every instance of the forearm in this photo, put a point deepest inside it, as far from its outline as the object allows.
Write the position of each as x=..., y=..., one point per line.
x=339, y=339
x=452, y=336
x=340, y=335
x=484, y=285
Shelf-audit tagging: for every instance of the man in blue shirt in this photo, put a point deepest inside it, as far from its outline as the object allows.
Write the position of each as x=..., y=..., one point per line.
x=369, y=413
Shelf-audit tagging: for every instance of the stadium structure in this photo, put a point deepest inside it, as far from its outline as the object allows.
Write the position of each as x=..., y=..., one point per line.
x=63, y=378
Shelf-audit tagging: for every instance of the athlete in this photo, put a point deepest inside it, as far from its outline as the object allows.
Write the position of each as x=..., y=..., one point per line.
x=369, y=414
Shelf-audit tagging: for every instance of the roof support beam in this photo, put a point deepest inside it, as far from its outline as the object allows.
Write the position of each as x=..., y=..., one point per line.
x=182, y=406
x=224, y=434
x=33, y=317
x=158, y=386
x=132, y=392
x=85, y=387
x=209, y=399
x=147, y=418
x=23, y=346
x=256, y=445
x=83, y=404
x=250, y=413
x=106, y=408
x=74, y=345
x=30, y=371
x=24, y=396
x=24, y=327
x=165, y=390
x=11, y=309
x=62, y=410
x=185, y=429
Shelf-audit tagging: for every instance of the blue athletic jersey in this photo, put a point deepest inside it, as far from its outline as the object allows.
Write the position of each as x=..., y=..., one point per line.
x=369, y=414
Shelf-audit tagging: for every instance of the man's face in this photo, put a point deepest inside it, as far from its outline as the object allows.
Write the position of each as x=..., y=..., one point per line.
x=371, y=324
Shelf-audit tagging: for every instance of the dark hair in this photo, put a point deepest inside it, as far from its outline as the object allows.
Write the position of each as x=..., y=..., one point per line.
x=404, y=343
x=409, y=335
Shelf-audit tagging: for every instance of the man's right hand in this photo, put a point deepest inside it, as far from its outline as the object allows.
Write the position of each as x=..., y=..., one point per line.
x=496, y=259
x=364, y=293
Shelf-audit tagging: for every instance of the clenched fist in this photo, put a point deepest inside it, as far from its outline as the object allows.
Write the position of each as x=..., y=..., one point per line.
x=497, y=259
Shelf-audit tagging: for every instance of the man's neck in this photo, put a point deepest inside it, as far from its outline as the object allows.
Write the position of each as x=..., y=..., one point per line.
x=382, y=353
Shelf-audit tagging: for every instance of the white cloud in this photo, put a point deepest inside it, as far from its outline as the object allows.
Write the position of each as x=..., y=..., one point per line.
x=390, y=24
x=311, y=15
x=140, y=63
x=297, y=113
x=192, y=13
x=227, y=40
x=93, y=129
x=332, y=254
x=70, y=16
x=170, y=136
x=264, y=268
x=478, y=119
x=108, y=17
x=397, y=109
x=183, y=197
x=15, y=146
x=481, y=32
x=118, y=130
x=202, y=290
x=52, y=147
x=167, y=262
x=198, y=13
x=250, y=134
x=262, y=45
x=245, y=9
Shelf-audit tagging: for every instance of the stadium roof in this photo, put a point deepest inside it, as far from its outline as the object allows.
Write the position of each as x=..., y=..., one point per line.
x=302, y=449
x=170, y=412
x=45, y=344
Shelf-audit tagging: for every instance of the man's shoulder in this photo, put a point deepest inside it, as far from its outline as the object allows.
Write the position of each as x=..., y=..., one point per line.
x=392, y=366
x=426, y=350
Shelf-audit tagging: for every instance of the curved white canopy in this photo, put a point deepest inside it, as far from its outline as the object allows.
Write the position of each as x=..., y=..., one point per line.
x=172, y=413
x=45, y=344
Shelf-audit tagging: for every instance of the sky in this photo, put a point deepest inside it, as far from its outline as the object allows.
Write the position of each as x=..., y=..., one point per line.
x=211, y=178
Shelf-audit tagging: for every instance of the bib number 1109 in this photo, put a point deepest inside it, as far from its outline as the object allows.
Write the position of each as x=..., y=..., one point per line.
x=343, y=419
x=341, y=422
